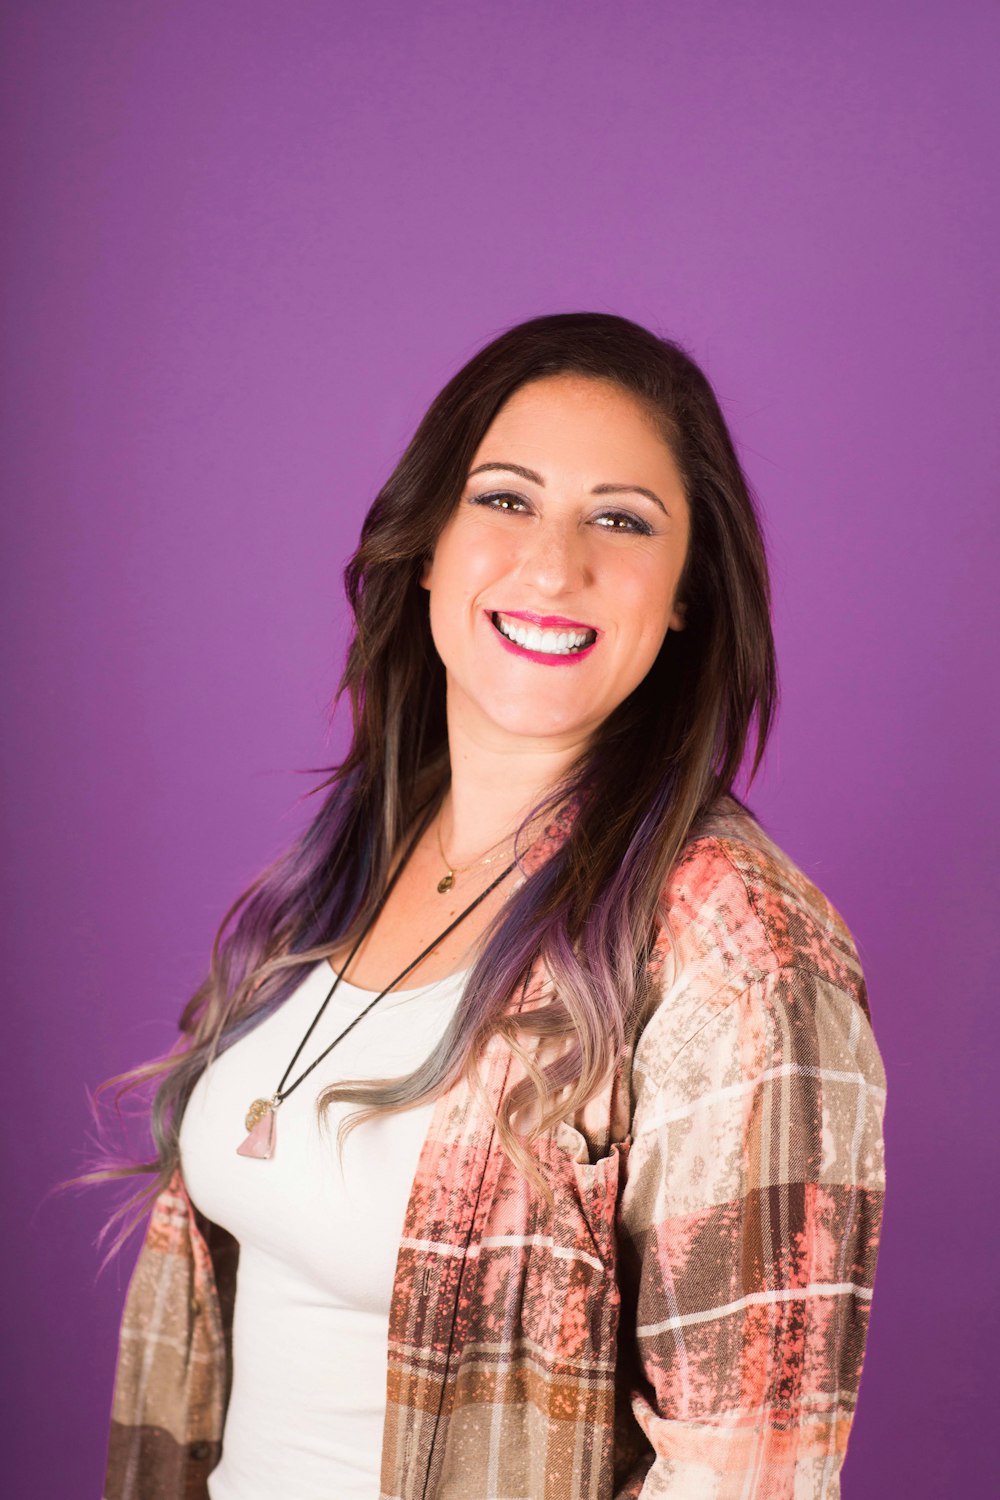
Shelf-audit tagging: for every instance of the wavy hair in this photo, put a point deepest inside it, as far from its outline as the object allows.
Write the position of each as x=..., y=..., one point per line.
x=593, y=910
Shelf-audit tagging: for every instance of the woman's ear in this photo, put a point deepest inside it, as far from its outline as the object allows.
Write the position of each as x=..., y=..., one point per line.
x=425, y=572
x=677, y=619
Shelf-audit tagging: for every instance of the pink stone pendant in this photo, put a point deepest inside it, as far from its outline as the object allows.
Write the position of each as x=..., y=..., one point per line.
x=259, y=1144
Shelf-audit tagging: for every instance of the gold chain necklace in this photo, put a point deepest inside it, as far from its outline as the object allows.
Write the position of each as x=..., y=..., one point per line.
x=447, y=880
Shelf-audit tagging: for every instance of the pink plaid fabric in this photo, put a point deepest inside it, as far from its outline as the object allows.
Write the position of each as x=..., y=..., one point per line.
x=689, y=1319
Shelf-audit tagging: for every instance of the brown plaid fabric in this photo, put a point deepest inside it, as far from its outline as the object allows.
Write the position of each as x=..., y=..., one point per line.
x=688, y=1320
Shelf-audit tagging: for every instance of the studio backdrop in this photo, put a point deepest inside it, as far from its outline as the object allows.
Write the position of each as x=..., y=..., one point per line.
x=245, y=243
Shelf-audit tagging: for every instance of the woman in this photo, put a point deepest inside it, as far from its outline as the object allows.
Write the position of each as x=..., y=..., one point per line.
x=608, y=1224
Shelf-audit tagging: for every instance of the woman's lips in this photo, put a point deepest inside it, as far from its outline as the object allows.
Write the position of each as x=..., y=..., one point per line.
x=533, y=637
x=542, y=621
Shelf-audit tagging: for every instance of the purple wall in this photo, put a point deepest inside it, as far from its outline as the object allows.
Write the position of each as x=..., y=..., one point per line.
x=246, y=243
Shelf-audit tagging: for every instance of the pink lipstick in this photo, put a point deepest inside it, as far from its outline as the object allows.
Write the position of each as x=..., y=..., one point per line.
x=561, y=650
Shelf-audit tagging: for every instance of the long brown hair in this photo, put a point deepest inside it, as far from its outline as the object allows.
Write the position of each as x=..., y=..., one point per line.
x=653, y=770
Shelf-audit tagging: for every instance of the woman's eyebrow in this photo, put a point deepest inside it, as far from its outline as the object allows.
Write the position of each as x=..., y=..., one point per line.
x=628, y=489
x=513, y=469
x=599, y=489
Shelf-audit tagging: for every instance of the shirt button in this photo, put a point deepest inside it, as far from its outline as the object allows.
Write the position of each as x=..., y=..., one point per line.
x=200, y=1451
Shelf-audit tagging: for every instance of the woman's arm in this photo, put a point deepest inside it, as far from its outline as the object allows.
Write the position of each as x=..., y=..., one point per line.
x=749, y=1229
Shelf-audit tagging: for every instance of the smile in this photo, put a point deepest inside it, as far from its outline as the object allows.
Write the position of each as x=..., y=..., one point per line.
x=529, y=639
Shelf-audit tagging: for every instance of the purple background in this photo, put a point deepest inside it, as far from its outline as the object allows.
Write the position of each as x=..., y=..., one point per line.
x=245, y=245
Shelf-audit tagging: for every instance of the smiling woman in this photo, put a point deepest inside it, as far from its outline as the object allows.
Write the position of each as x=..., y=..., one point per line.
x=609, y=1224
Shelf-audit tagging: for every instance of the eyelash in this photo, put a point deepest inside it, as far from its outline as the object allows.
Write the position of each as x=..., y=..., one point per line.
x=636, y=527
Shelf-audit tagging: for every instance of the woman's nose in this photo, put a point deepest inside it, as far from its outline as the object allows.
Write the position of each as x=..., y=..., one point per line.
x=555, y=558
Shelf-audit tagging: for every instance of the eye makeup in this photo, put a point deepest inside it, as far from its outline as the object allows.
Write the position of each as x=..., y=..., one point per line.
x=636, y=525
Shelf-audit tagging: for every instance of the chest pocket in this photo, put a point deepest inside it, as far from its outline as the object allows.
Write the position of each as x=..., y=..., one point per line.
x=593, y=1185
x=571, y=1299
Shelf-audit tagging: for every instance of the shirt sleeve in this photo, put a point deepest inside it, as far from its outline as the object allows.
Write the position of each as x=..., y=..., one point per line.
x=748, y=1233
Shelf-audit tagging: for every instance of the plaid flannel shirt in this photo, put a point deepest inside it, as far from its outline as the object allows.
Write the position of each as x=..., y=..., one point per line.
x=688, y=1320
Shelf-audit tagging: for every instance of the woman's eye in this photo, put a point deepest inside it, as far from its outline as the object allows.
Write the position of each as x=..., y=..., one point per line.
x=498, y=500
x=621, y=521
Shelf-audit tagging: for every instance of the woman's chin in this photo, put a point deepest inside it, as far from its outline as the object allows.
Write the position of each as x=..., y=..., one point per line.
x=533, y=731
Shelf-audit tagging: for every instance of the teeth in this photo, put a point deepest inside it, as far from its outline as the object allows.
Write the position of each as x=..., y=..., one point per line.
x=552, y=642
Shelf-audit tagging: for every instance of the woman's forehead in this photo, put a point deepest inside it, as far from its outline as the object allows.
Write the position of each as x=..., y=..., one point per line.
x=577, y=425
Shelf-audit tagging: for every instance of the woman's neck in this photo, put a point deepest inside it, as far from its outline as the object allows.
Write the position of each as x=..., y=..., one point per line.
x=494, y=784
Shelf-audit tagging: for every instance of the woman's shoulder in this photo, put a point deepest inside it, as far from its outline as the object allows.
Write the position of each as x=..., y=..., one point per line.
x=738, y=908
x=757, y=976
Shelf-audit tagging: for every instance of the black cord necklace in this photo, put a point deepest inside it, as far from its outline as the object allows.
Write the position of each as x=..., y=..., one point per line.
x=260, y=1117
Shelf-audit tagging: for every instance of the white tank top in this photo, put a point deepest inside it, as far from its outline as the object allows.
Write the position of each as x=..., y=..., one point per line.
x=318, y=1245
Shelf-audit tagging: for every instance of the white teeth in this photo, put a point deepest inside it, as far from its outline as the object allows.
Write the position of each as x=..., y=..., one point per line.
x=552, y=642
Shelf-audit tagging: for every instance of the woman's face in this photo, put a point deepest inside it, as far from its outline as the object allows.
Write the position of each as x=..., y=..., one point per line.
x=550, y=596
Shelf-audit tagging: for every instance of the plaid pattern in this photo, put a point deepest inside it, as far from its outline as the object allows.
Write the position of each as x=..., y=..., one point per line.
x=690, y=1317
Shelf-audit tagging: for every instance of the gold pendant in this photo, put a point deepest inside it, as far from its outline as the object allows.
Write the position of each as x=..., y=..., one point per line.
x=257, y=1111
x=446, y=882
